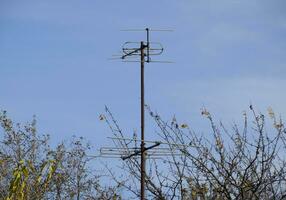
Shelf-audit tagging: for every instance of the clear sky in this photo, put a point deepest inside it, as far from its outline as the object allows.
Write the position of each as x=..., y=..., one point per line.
x=54, y=61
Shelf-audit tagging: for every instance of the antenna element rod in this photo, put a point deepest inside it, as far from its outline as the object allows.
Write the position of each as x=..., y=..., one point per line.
x=148, y=45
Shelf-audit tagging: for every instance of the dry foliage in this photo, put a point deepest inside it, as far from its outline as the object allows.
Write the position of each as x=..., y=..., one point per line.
x=31, y=170
x=246, y=162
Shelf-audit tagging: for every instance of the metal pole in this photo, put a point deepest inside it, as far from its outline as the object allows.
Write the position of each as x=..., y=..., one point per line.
x=148, y=45
x=142, y=47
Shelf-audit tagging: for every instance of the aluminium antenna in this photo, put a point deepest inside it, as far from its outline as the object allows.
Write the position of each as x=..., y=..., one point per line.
x=144, y=50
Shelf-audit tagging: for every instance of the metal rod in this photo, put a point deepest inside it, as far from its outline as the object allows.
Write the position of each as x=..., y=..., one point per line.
x=140, y=153
x=167, y=30
x=148, y=45
x=132, y=139
x=136, y=153
x=130, y=53
x=149, y=141
x=120, y=157
x=142, y=47
x=130, y=148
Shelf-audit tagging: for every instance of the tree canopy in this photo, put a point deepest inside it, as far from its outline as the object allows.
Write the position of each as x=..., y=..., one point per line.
x=246, y=161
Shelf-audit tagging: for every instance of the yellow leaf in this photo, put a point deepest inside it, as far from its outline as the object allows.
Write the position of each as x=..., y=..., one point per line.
x=25, y=171
x=39, y=179
x=101, y=117
x=184, y=126
x=271, y=113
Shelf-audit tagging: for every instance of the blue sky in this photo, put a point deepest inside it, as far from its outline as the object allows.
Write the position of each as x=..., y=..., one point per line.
x=54, y=61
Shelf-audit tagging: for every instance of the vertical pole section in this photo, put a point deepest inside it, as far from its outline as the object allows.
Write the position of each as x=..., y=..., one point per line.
x=148, y=45
x=142, y=47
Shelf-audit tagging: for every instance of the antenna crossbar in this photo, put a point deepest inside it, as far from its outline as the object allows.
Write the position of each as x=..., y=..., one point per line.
x=141, y=152
x=130, y=53
x=149, y=141
x=150, y=29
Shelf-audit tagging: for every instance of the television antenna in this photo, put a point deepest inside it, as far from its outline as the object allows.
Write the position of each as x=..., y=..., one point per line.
x=144, y=50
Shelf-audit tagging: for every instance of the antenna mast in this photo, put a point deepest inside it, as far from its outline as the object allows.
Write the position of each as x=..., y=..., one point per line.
x=143, y=159
x=144, y=51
